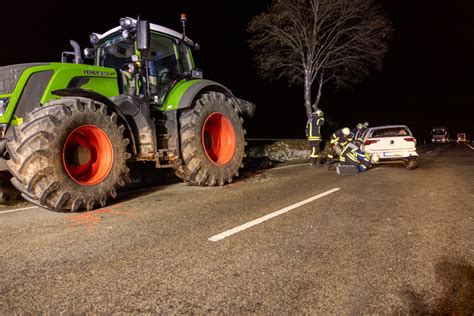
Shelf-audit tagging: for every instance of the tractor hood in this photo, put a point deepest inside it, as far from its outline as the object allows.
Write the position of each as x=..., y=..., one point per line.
x=23, y=87
x=9, y=76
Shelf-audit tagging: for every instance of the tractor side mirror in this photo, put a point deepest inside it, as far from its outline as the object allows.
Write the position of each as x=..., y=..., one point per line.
x=143, y=35
x=89, y=53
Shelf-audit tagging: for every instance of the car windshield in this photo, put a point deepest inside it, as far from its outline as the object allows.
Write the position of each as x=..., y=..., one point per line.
x=391, y=132
x=116, y=52
x=438, y=132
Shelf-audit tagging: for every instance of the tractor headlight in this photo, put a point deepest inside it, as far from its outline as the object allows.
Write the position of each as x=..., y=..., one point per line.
x=125, y=34
x=126, y=23
x=94, y=38
x=3, y=105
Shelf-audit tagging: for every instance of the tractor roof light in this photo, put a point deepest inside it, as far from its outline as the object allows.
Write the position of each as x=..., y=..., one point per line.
x=125, y=34
x=126, y=23
x=184, y=20
x=94, y=38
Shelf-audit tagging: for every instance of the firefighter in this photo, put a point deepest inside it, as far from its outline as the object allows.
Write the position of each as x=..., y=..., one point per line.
x=313, y=133
x=352, y=155
x=338, y=140
x=358, y=131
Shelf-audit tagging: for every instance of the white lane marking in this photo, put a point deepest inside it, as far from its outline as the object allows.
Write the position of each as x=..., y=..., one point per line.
x=470, y=146
x=290, y=166
x=18, y=209
x=429, y=151
x=260, y=220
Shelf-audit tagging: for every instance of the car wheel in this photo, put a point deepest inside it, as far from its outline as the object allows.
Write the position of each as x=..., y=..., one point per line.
x=411, y=164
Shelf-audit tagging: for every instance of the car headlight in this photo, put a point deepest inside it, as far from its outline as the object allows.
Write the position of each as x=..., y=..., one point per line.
x=3, y=105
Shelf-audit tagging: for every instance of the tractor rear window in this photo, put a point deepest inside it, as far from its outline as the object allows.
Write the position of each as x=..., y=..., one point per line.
x=391, y=132
x=163, y=61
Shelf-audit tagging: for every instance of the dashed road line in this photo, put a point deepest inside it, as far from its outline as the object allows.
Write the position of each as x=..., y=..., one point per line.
x=260, y=220
x=18, y=209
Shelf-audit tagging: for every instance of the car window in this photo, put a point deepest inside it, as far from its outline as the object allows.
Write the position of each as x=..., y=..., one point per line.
x=391, y=132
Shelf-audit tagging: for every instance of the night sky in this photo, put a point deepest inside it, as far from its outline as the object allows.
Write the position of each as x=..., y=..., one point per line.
x=426, y=80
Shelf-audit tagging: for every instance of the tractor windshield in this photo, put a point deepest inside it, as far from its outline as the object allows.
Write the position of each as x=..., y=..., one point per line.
x=116, y=52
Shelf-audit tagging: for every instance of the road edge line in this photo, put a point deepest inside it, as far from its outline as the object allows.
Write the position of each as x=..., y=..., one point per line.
x=19, y=209
x=289, y=166
x=262, y=219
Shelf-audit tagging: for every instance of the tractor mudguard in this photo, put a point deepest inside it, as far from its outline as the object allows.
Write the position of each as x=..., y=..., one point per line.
x=77, y=92
x=201, y=86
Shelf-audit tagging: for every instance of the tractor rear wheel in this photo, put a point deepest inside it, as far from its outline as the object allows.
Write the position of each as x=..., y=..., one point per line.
x=212, y=141
x=68, y=155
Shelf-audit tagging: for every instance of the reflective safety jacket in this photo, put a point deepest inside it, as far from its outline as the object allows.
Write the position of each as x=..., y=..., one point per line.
x=338, y=138
x=313, y=127
x=352, y=155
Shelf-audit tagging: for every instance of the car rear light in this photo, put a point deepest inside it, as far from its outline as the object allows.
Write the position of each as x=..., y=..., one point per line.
x=409, y=139
x=369, y=142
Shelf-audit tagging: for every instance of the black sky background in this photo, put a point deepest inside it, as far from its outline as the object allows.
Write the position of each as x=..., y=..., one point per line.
x=426, y=80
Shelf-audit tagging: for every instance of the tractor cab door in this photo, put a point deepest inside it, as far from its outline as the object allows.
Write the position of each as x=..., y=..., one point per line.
x=117, y=53
x=166, y=64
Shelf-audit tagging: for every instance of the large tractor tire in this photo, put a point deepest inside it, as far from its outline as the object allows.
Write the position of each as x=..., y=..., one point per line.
x=69, y=155
x=212, y=141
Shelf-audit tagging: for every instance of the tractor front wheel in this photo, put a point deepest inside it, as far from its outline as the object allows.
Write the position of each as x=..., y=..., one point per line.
x=68, y=155
x=212, y=141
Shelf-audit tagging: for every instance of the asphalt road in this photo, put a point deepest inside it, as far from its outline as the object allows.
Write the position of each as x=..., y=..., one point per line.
x=388, y=241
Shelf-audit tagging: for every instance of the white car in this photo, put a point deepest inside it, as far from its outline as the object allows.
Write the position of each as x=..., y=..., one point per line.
x=392, y=143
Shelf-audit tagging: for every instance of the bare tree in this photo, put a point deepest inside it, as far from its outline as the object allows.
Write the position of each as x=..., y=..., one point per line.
x=310, y=41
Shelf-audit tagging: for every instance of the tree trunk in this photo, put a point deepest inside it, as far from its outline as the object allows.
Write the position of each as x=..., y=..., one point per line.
x=307, y=93
x=320, y=89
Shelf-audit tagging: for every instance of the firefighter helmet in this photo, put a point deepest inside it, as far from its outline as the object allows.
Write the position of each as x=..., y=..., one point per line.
x=360, y=125
x=346, y=131
x=319, y=113
x=366, y=124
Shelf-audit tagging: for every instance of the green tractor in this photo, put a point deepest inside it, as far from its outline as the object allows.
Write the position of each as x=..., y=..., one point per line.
x=70, y=131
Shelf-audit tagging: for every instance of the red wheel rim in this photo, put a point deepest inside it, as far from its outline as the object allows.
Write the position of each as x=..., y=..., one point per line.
x=88, y=155
x=218, y=138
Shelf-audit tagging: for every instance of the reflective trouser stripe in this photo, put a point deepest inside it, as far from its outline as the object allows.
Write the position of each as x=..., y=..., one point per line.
x=314, y=154
x=330, y=156
x=314, y=138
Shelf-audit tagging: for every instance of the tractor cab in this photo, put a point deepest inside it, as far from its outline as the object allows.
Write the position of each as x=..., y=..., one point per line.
x=150, y=72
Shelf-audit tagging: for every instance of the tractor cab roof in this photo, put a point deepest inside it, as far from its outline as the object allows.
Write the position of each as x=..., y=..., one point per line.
x=153, y=27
